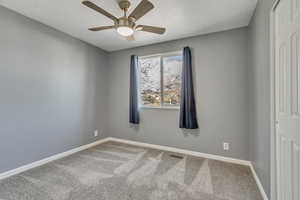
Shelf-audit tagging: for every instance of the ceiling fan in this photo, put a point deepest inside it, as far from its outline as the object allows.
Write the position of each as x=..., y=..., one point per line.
x=126, y=25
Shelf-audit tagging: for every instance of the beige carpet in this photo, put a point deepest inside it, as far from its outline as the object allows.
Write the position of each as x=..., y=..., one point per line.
x=114, y=171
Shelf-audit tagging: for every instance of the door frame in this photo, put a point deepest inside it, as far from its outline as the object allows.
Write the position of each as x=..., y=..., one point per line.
x=273, y=159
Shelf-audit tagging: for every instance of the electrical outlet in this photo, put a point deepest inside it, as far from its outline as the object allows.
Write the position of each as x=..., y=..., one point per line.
x=96, y=133
x=226, y=146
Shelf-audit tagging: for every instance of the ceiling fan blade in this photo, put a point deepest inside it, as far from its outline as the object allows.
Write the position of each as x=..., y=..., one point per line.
x=130, y=38
x=100, y=28
x=151, y=29
x=144, y=7
x=100, y=10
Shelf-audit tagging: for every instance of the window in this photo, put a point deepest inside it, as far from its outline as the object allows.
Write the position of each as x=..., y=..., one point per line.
x=160, y=80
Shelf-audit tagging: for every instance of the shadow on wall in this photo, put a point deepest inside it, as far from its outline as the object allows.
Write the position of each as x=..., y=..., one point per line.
x=135, y=127
x=185, y=132
x=191, y=132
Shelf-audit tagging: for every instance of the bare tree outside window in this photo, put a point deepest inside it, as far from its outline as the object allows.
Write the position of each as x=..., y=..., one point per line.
x=150, y=85
x=160, y=80
x=172, y=80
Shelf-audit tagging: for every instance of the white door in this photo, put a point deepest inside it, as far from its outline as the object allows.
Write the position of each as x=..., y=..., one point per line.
x=287, y=62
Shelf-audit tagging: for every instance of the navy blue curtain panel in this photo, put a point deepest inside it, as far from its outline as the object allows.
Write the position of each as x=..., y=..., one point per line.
x=134, y=116
x=188, y=113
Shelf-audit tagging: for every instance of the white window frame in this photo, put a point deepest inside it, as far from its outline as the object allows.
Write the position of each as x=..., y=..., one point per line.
x=161, y=56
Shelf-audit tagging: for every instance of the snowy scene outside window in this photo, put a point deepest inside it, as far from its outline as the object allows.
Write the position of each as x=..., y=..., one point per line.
x=160, y=80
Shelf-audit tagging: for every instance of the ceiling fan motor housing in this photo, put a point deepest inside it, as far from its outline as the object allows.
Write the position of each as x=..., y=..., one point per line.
x=124, y=21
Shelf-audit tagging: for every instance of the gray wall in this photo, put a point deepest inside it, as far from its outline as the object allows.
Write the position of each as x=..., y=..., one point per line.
x=259, y=74
x=220, y=62
x=52, y=91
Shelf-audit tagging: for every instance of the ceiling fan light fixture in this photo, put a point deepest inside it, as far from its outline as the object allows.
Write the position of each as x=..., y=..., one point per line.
x=125, y=31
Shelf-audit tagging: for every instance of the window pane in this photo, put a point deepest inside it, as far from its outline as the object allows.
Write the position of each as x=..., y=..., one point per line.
x=150, y=85
x=172, y=66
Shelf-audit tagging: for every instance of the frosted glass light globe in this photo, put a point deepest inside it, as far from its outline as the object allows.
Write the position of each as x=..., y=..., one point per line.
x=125, y=31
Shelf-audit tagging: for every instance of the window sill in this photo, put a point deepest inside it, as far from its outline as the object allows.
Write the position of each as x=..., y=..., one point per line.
x=159, y=108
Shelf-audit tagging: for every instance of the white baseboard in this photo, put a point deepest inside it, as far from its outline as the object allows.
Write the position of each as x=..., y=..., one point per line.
x=182, y=151
x=49, y=159
x=141, y=144
x=259, y=185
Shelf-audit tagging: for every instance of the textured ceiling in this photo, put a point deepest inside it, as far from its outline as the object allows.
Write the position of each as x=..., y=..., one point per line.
x=182, y=18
